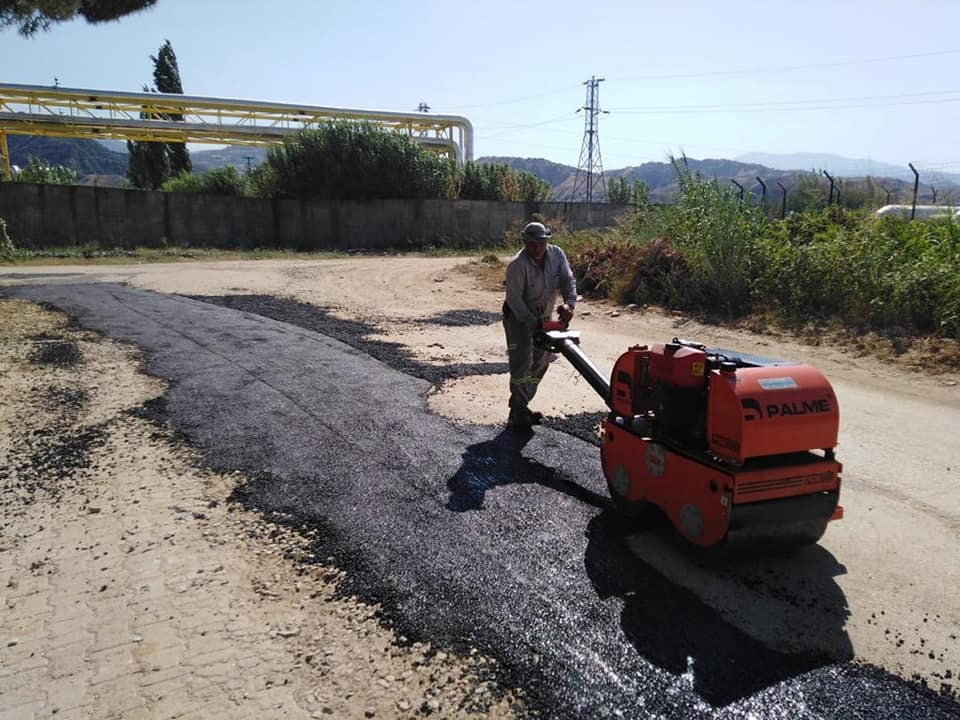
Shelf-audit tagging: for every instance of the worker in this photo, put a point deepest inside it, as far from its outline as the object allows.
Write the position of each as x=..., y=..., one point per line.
x=536, y=276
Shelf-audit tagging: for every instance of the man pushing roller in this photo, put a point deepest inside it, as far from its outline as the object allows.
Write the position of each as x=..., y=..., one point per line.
x=536, y=276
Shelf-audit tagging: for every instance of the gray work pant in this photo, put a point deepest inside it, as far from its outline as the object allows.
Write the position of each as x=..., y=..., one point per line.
x=528, y=364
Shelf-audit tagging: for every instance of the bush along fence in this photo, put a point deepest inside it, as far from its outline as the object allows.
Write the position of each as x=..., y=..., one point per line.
x=50, y=216
x=706, y=253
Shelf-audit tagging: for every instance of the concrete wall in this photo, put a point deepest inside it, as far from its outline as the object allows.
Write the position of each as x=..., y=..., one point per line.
x=45, y=216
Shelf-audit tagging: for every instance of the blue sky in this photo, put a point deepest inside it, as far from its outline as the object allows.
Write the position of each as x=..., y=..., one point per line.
x=876, y=80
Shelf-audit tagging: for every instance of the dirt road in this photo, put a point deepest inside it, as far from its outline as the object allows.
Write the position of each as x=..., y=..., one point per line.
x=895, y=553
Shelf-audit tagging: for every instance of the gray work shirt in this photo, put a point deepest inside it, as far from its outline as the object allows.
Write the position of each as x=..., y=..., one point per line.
x=532, y=290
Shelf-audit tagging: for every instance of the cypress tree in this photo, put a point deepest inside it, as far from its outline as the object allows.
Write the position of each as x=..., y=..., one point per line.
x=166, y=77
x=153, y=163
x=149, y=165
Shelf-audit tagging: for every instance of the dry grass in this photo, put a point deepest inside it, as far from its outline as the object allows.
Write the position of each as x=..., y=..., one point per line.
x=898, y=347
x=489, y=272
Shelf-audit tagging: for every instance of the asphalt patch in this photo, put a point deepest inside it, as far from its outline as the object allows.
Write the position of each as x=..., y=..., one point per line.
x=54, y=350
x=462, y=318
x=48, y=462
x=66, y=400
x=585, y=426
x=356, y=334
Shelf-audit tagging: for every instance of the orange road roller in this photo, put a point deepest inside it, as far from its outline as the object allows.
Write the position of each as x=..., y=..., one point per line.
x=728, y=446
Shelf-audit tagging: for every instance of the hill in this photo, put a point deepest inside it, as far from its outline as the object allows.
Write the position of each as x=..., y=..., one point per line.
x=661, y=177
x=235, y=155
x=95, y=157
x=86, y=157
x=840, y=166
x=554, y=173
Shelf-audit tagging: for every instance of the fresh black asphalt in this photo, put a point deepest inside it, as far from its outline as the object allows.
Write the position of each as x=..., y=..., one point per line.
x=469, y=535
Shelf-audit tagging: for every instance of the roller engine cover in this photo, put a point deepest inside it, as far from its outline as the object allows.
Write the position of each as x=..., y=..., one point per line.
x=760, y=411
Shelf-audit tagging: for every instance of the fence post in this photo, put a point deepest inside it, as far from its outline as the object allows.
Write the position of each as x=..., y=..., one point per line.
x=783, y=203
x=763, y=196
x=916, y=187
x=886, y=190
x=740, y=200
x=830, y=199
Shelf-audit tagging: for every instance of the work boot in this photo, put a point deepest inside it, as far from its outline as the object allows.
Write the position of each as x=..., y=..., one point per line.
x=520, y=420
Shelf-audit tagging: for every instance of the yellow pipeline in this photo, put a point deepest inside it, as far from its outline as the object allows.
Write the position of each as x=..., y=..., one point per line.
x=74, y=112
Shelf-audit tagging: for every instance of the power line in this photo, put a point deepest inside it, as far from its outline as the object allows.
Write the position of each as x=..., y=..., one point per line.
x=712, y=73
x=765, y=103
x=526, y=98
x=560, y=118
x=785, y=68
x=693, y=110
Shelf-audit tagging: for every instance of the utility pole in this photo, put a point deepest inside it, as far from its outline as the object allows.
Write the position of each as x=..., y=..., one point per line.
x=590, y=168
x=248, y=158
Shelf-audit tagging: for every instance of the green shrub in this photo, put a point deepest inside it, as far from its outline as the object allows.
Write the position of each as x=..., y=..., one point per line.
x=36, y=171
x=880, y=273
x=530, y=188
x=355, y=161
x=482, y=182
x=622, y=192
x=218, y=181
x=500, y=182
x=7, y=248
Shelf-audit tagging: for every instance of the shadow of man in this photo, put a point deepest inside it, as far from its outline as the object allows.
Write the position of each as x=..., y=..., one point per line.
x=500, y=461
x=690, y=637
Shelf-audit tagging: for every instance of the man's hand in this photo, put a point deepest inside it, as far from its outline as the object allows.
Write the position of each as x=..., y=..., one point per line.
x=565, y=313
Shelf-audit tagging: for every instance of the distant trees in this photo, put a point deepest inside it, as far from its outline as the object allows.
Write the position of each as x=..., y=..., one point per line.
x=32, y=16
x=619, y=190
x=153, y=163
x=354, y=161
x=217, y=181
x=500, y=182
x=361, y=161
x=36, y=171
